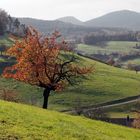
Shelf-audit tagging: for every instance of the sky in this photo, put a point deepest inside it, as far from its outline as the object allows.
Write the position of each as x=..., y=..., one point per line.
x=53, y=9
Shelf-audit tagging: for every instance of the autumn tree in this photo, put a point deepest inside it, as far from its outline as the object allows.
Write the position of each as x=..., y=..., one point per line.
x=44, y=61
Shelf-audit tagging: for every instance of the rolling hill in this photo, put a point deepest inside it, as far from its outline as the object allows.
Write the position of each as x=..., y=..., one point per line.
x=72, y=20
x=46, y=26
x=74, y=28
x=120, y=19
x=68, y=30
x=109, y=48
x=106, y=84
x=30, y=123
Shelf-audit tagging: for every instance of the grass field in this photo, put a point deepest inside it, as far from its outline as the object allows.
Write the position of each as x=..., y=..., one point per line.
x=133, y=61
x=106, y=84
x=122, y=111
x=110, y=47
x=5, y=40
x=24, y=122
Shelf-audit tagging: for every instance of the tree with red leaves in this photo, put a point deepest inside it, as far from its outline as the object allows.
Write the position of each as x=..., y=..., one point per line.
x=44, y=61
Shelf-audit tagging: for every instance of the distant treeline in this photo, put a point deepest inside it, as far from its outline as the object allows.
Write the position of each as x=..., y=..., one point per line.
x=11, y=25
x=98, y=37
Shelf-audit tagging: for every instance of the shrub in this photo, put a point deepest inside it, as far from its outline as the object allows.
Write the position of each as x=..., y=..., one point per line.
x=9, y=95
x=136, y=122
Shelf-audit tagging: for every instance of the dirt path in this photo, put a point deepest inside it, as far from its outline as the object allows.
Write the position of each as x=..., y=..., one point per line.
x=109, y=104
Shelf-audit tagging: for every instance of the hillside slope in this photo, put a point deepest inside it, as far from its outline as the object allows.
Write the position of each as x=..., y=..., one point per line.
x=5, y=40
x=106, y=84
x=29, y=123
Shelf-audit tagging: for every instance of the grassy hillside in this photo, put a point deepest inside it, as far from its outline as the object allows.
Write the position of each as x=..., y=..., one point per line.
x=109, y=47
x=121, y=111
x=30, y=123
x=5, y=40
x=133, y=61
x=106, y=84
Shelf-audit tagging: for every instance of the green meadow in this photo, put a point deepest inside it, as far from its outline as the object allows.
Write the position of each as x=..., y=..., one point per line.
x=108, y=47
x=24, y=122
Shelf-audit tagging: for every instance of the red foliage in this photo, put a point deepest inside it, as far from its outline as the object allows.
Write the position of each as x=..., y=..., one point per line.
x=40, y=61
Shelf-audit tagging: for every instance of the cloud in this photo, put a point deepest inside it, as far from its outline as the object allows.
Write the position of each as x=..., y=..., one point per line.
x=51, y=9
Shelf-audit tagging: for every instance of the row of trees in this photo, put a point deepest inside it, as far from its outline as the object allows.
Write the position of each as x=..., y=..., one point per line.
x=15, y=27
x=12, y=25
x=3, y=21
x=98, y=37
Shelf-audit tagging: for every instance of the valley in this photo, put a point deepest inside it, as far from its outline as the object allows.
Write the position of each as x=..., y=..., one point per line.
x=68, y=79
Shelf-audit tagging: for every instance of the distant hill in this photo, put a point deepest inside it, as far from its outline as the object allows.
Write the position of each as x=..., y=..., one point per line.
x=68, y=30
x=46, y=26
x=72, y=27
x=71, y=20
x=121, y=19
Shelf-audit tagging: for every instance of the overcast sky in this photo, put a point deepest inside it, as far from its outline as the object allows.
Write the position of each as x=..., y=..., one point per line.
x=52, y=9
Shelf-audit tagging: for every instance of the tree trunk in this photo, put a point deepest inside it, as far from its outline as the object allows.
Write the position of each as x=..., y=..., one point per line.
x=46, y=94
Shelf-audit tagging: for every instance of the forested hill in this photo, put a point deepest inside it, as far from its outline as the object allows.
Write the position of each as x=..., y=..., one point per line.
x=67, y=29
x=124, y=19
x=118, y=19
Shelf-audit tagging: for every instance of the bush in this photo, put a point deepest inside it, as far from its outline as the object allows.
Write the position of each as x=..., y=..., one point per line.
x=9, y=95
x=136, y=122
x=97, y=114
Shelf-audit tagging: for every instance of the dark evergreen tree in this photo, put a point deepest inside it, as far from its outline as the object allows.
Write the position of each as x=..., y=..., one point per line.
x=3, y=21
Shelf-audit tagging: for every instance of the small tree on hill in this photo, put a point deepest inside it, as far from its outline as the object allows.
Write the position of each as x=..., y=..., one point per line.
x=111, y=61
x=2, y=48
x=136, y=122
x=9, y=95
x=16, y=23
x=44, y=61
